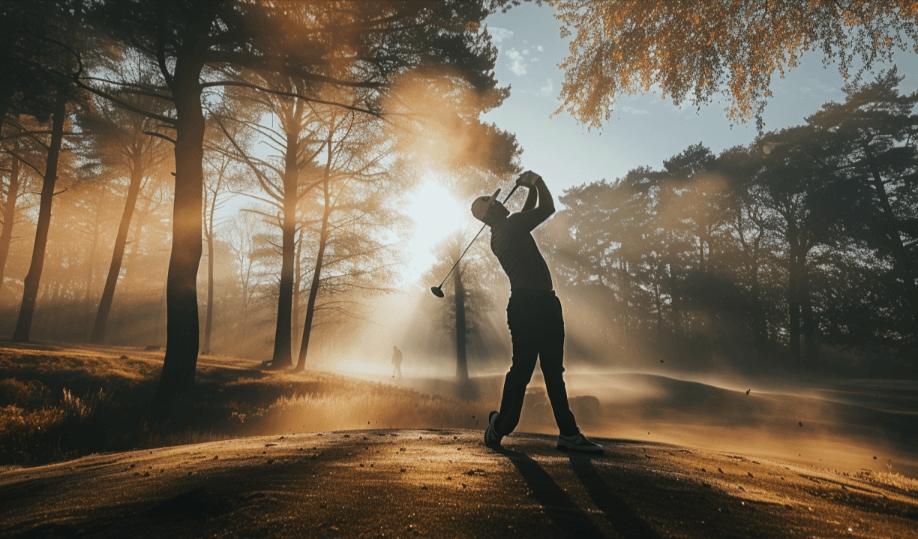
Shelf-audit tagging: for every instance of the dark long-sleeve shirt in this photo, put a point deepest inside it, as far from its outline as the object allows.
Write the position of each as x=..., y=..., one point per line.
x=516, y=250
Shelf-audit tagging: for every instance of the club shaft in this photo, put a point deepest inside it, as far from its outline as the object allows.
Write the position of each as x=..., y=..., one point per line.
x=515, y=187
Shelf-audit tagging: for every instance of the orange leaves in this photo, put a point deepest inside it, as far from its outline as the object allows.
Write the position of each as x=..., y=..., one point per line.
x=704, y=47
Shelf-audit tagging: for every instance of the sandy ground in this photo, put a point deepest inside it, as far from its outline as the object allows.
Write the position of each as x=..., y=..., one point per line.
x=445, y=483
x=853, y=424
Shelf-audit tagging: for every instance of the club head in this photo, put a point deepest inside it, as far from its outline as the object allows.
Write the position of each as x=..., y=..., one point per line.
x=437, y=291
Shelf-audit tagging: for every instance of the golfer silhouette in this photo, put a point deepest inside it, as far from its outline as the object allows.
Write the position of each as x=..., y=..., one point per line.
x=397, y=361
x=533, y=314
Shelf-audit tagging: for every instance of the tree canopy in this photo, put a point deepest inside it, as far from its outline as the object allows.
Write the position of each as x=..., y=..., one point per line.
x=694, y=49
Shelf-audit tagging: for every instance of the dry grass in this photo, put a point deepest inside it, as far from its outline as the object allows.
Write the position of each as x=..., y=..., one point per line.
x=382, y=408
x=59, y=402
x=899, y=481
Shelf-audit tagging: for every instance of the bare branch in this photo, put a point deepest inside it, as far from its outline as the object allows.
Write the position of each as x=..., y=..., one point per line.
x=293, y=94
x=160, y=135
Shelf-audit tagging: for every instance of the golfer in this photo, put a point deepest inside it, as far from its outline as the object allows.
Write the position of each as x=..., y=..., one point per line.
x=534, y=314
x=397, y=362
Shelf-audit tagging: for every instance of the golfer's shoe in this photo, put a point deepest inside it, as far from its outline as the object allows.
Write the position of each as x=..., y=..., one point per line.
x=491, y=438
x=579, y=442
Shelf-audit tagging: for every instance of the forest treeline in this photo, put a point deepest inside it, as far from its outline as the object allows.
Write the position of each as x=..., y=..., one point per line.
x=799, y=249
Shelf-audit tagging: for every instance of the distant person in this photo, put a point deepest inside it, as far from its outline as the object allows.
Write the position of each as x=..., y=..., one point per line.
x=533, y=314
x=397, y=362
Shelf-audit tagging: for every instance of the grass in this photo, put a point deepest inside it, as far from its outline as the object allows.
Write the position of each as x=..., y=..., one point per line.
x=899, y=481
x=62, y=402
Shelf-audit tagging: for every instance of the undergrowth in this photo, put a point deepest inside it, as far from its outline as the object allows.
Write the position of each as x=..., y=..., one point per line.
x=62, y=403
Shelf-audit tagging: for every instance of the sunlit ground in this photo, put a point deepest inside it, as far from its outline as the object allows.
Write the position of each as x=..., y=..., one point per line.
x=849, y=425
x=840, y=454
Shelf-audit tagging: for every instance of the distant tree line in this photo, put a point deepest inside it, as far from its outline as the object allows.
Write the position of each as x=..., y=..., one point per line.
x=802, y=244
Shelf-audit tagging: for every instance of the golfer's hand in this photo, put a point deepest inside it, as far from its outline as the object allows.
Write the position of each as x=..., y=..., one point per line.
x=528, y=179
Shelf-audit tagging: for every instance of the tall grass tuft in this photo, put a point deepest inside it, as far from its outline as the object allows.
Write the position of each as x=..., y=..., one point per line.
x=57, y=430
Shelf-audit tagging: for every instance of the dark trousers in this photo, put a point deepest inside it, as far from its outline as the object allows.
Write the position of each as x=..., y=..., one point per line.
x=537, y=331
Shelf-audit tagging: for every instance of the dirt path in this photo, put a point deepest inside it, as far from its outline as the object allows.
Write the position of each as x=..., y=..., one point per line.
x=442, y=483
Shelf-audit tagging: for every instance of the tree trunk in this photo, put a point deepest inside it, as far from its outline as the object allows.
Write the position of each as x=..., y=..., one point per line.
x=297, y=282
x=114, y=269
x=209, y=237
x=9, y=217
x=626, y=305
x=90, y=269
x=311, y=302
x=131, y=257
x=33, y=278
x=810, y=351
x=462, y=366
x=701, y=254
x=676, y=300
x=160, y=323
x=208, y=322
x=245, y=309
x=793, y=303
x=759, y=330
x=282, y=346
x=316, y=275
x=182, y=325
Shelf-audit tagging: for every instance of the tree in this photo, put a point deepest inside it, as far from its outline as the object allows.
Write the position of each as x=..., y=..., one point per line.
x=600, y=256
x=693, y=50
x=745, y=213
x=244, y=231
x=12, y=189
x=284, y=180
x=95, y=196
x=869, y=145
x=121, y=140
x=796, y=190
x=20, y=154
x=222, y=175
x=350, y=194
x=60, y=27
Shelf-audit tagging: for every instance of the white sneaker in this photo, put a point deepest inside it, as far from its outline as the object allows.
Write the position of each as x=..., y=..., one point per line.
x=578, y=442
x=491, y=438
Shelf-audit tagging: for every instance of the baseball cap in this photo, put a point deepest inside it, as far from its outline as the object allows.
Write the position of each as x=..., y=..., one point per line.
x=482, y=204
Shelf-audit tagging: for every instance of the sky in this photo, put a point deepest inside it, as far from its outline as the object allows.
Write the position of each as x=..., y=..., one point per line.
x=644, y=130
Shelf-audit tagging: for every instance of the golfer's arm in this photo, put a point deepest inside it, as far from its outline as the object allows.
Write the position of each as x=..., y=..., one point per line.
x=546, y=206
x=531, y=199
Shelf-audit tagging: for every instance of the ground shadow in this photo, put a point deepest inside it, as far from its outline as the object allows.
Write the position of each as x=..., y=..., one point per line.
x=625, y=521
x=567, y=517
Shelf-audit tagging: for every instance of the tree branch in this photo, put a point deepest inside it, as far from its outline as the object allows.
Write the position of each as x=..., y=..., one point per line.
x=292, y=94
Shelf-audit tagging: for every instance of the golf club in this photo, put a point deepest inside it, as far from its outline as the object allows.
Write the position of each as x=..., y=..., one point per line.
x=438, y=290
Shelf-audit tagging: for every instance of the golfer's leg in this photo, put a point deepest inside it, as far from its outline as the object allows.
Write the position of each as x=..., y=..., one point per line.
x=511, y=402
x=551, y=361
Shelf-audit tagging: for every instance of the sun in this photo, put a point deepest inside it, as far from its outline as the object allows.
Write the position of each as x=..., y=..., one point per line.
x=436, y=214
